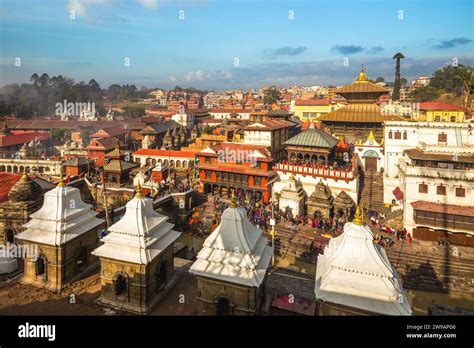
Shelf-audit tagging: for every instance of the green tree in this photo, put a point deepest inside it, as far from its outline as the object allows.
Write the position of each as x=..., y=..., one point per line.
x=426, y=93
x=271, y=96
x=85, y=138
x=380, y=79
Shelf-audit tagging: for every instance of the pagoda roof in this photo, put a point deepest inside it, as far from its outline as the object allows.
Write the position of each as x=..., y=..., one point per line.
x=63, y=217
x=139, y=236
x=313, y=138
x=119, y=166
x=361, y=87
x=354, y=271
x=359, y=113
x=236, y=252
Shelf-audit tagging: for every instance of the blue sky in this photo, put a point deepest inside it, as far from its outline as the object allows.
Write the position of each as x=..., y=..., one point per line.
x=270, y=45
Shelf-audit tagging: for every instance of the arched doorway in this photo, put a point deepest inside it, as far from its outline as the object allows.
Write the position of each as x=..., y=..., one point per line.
x=120, y=284
x=81, y=258
x=223, y=306
x=161, y=276
x=9, y=236
x=370, y=160
x=41, y=267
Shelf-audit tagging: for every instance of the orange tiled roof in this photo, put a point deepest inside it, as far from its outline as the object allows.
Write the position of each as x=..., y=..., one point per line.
x=443, y=208
x=439, y=106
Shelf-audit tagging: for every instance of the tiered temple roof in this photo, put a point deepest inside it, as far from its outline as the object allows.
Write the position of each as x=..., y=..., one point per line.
x=140, y=235
x=355, y=272
x=235, y=252
x=361, y=96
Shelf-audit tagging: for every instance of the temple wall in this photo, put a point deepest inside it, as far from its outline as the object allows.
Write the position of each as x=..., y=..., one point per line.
x=143, y=287
x=61, y=266
x=243, y=300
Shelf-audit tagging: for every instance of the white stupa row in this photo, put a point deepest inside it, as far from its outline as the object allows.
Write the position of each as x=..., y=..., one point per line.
x=63, y=217
x=355, y=272
x=236, y=251
x=140, y=236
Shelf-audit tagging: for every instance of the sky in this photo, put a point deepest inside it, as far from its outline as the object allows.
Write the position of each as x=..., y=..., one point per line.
x=231, y=44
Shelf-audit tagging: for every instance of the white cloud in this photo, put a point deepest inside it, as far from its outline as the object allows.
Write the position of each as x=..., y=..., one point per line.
x=149, y=4
x=172, y=78
x=196, y=75
x=80, y=7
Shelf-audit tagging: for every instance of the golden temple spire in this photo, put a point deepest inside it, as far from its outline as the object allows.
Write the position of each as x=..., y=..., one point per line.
x=24, y=177
x=371, y=136
x=138, y=191
x=362, y=75
x=359, y=216
x=61, y=182
x=233, y=201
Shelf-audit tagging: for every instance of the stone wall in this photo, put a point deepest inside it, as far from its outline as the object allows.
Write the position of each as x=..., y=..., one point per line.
x=61, y=265
x=243, y=300
x=142, y=280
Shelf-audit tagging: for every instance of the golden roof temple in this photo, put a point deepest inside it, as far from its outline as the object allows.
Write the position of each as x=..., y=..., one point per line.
x=361, y=115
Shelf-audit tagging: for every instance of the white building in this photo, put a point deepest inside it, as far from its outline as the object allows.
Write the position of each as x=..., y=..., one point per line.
x=185, y=119
x=221, y=114
x=401, y=136
x=354, y=275
x=438, y=192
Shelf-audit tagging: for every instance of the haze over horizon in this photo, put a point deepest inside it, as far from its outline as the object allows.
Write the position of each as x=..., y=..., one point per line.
x=217, y=45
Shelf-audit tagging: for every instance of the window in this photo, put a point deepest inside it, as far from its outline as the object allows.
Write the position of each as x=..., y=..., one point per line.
x=390, y=136
x=441, y=190
x=208, y=174
x=423, y=188
x=405, y=135
x=257, y=181
x=442, y=138
x=460, y=192
x=208, y=160
x=453, y=118
x=437, y=119
x=398, y=135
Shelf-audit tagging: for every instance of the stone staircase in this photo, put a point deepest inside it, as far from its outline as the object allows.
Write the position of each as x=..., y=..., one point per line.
x=199, y=198
x=431, y=268
x=299, y=244
x=372, y=191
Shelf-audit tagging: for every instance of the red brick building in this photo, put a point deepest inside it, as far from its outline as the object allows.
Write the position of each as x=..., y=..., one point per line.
x=243, y=167
x=99, y=147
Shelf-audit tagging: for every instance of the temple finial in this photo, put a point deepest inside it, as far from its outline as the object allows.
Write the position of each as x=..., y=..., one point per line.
x=362, y=75
x=233, y=201
x=61, y=182
x=359, y=216
x=371, y=136
x=138, y=193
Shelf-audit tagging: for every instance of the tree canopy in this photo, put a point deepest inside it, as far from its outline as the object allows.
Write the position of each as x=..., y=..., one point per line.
x=272, y=95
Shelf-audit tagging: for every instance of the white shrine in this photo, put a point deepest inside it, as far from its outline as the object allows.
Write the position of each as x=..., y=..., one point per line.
x=232, y=265
x=354, y=276
x=137, y=258
x=65, y=230
x=293, y=197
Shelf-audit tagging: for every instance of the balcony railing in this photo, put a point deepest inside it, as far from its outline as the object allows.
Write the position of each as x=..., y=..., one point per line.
x=315, y=171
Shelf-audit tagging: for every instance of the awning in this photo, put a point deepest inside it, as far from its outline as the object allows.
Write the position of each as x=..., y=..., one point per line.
x=398, y=194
